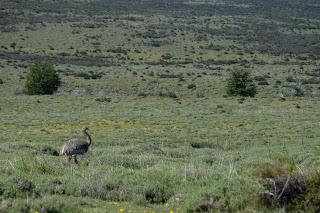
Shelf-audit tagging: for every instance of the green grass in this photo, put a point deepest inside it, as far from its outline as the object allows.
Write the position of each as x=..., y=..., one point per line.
x=146, y=145
x=152, y=152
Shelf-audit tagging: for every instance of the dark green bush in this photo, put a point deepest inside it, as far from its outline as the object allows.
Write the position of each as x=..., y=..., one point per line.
x=1, y=189
x=168, y=94
x=240, y=83
x=49, y=151
x=291, y=79
x=191, y=86
x=42, y=79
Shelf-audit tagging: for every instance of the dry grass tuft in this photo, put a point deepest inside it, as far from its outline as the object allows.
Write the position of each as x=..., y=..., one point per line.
x=291, y=191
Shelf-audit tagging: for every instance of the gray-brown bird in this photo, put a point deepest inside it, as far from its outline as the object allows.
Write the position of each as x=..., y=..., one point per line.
x=74, y=146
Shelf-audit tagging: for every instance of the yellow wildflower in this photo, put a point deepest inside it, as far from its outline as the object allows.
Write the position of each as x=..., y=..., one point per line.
x=171, y=211
x=122, y=209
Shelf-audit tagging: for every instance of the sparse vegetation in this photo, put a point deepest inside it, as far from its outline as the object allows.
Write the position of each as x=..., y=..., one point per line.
x=149, y=79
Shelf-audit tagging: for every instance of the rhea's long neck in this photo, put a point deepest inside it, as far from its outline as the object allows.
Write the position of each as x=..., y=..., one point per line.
x=88, y=137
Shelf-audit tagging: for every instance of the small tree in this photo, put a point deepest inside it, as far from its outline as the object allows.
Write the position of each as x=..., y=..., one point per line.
x=240, y=83
x=42, y=79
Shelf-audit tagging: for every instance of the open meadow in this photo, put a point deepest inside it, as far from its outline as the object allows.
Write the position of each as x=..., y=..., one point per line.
x=148, y=79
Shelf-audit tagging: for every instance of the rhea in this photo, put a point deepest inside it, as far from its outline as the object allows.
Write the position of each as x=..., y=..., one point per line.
x=74, y=146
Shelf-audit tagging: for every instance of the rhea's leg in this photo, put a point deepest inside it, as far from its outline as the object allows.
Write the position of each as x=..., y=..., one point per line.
x=75, y=159
x=69, y=158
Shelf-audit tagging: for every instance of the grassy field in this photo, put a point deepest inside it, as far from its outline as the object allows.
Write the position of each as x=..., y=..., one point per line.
x=148, y=79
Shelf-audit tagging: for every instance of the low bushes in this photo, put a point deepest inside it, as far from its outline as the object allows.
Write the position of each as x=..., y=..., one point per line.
x=42, y=79
x=240, y=83
x=285, y=189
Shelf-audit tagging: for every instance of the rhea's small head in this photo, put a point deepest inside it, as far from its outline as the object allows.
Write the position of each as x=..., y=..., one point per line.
x=85, y=129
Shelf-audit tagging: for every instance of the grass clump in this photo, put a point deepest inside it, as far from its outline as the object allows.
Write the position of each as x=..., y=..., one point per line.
x=42, y=79
x=36, y=165
x=240, y=83
x=157, y=193
x=206, y=203
x=168, y=94
x=54, y=186
x=290, y=190
x=49, y=151
x=155, y=187
x=20, y=187
x=52, y=204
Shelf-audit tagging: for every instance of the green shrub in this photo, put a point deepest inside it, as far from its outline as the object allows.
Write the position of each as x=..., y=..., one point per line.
x=240, y=83
x=19, y=188
x=157, y=193
x=313, y=196
x=191, y=86
x=167, y=94
x=49, y=151
x=205, y=204
x=42, y=79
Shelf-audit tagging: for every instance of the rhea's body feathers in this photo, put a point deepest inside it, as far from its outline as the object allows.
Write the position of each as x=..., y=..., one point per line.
x=74, y=147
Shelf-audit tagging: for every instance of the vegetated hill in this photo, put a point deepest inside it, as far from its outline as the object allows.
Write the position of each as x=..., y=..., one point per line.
x=271, y=27
x=271, y=8
x=148, y=78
